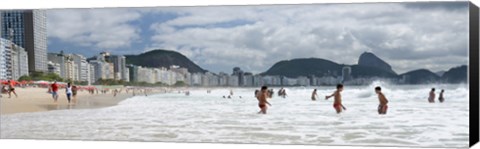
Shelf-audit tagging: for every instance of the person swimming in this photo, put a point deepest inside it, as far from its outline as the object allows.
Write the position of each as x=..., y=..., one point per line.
x=440, y=97
x=431, y=97
x=314, y=94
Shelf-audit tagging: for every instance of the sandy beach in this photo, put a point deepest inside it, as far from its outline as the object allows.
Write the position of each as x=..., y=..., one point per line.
x=37, y=100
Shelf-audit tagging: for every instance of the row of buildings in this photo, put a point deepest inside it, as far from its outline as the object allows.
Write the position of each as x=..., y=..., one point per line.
x=23, y=43
x=238, y=78
x=76, y=67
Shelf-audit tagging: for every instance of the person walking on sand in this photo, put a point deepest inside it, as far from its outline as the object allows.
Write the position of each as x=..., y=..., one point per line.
x=431, y=97
x=440, y=97
x=68, y=91
x=11, y=88
x=54, y=91
x=262, y=100
x=337, y=104
x=314, y=95
x=382, y=107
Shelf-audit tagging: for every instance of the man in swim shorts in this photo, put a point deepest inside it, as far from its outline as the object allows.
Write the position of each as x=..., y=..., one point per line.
x=262, y=100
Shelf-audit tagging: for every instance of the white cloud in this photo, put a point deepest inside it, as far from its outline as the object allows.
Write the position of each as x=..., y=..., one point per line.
x=219, y=38
x=94, y=28
x=408, y=39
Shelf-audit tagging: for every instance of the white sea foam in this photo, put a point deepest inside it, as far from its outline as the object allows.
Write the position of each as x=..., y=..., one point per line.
x=202, y=117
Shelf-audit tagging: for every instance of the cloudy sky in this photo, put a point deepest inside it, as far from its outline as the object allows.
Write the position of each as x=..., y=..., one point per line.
x=409, y=36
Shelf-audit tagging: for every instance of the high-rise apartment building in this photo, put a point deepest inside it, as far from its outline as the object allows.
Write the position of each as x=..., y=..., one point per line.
x=27, y=29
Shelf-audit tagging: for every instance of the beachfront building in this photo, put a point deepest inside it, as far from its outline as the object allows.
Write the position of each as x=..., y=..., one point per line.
x=247, y=79
x=272, y=80
x=13, y=60
x=288, y=81
x=71, y=69
x=91, y=74
x=57, y=59
x=258, y=80
x=346, y=73
x=232, y=81
x=27, y=29
x=212, y=79
x=53, y=68
x=119, y=66
x=68, y=69
x=133, y=72
x=145, y=75
x=239, y=73
x=4, y=58
x=328, y=80
x=109, y=70
x=98, y=70
x=181, y=74
x=303, y=81
x=83, y=68
x=127, y=74
x=222, y=79
x=196, y=79
x=114, y=66
x=102, y=69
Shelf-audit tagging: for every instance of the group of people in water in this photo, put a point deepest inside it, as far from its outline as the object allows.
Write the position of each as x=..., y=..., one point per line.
x=431, y=97
x=70, y=91
x=264, y=94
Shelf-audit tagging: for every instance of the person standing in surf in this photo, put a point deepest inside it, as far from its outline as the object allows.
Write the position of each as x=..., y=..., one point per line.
x=431, y=97
x=74, y=93
x=262, y=100
x=337, y=104
x=382, y=107
x=68, y=91
x=440, y=97
x=54, y=91
x=314, y=95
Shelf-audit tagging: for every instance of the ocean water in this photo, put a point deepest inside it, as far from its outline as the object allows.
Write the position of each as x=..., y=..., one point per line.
x=202, y=117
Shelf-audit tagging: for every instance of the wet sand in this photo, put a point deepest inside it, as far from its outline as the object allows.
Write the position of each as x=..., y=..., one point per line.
x=37, y=100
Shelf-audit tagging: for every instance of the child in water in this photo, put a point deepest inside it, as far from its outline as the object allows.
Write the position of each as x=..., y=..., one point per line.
x=337, y=104
x=382, y=107
x=314, y=95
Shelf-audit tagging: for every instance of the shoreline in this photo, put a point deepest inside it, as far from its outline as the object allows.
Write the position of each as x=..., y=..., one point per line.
x=37, y=100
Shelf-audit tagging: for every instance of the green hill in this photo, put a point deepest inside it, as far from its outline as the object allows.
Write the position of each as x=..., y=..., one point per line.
x=163, y=58
x=420, y=76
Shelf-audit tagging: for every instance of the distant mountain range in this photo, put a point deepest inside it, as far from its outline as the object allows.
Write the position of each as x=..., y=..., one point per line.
x=369, y=65
x=163, y=58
